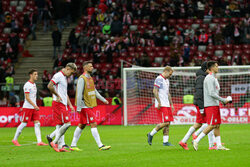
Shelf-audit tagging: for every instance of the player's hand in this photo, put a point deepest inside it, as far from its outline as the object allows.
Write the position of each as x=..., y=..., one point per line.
x=36, y=108
x=72, y=109
x=172, y=108
x=58, y=99
x=159, y=106
x=106, y=102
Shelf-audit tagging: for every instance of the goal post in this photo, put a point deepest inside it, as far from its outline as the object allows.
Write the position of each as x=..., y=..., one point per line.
x=138, y=96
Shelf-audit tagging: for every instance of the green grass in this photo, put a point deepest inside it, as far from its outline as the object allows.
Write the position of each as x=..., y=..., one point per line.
x=129, y=148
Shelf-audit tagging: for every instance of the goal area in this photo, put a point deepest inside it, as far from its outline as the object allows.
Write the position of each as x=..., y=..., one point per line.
x=138, y=98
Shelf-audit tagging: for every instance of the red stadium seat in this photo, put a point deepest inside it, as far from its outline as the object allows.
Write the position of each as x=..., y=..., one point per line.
x=246, y=51
x=136, y=21
x=198, y=21
x=228, y=52
x=131, y=49
x=237, y=47
x=180, y=21
x=139, y=49
x=210, y=47
x=108, y=65
x=123, y=54
x=97, y=66
x=171, y=22
x=117, y=64
x=132, y=54
x=238, y=51
x=148, y=48
x=216, y=20
x=218, y=47
x=189, y=21
x=166, y=48
x=246, y=46
x=151, y=54
x=157, y=49
x=161, y=54
x=145, y=21
x=228, y=46
x=155, y=64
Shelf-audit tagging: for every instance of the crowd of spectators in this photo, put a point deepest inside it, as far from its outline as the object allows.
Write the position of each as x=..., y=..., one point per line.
x=159, y=33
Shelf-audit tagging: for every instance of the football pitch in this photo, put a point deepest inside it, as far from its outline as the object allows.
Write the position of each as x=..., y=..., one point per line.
x=129, y=148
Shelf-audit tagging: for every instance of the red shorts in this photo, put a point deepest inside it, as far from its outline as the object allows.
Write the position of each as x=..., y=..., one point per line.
x=213, y=115
x=87, y=116
x=30, y=115
x=165, y=114
x=200, y=118
x=60, y=113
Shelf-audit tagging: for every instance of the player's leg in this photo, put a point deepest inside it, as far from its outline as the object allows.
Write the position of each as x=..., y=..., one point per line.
x=183, y=142
x=18, y=132
x=155, y=130
x=76, y=137
x=25, y=118
x=201, y=120
x=38, y=133
x=166, y=135
x=195, y=134
x=218, y=139
x=211, y=140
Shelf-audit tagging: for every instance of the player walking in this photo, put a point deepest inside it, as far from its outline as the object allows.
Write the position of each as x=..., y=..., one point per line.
x=58, y=87
x=200, y=115
x=30, y=109
x=86, y=95
x=211, y=105
x=163, y=101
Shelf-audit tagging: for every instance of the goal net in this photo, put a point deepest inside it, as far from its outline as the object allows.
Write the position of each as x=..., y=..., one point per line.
x=139, y=107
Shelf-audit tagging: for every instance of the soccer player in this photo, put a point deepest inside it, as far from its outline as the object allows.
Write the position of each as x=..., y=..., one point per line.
x=164, y=105
x=200, y=115
x=211, y=88
x=58, y=87
x=86, y=95
x=30, y=109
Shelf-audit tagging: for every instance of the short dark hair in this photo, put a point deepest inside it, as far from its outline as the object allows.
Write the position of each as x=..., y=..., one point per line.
x=211, y=64
x=32, y=71
x=86, y=63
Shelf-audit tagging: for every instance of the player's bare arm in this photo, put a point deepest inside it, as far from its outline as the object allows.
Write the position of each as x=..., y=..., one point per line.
x=53, y=91
x=70, y=105
x=30, y=101
x=156, y=94
x=171, y=102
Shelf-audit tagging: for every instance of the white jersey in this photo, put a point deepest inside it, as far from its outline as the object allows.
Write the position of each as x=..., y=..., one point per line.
x=163, y=85
x=30, y=88
x=61, y=86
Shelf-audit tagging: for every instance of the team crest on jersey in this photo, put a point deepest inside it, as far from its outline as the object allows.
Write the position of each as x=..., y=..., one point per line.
x=215, y=120
x=91, y=118
x=166, y=117
x=27, y=118
x=66, y=118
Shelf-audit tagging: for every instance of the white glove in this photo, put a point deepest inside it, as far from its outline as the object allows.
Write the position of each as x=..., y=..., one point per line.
x=229, y=98
x=202, y=111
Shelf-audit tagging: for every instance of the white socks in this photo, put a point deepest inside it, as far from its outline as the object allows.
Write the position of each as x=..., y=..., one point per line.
x=19, y=130
x=200, y=137
x=188, y=134
x=200, y=129
x=61, y=132
x=153, y=132
x=211, y=140
x=53, y=134
x=38, y=132
x=218, y=141
x=165, y=139
x=76, y=136
x=96, y=136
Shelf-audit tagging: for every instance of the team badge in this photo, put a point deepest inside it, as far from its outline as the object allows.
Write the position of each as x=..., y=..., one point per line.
x=66, y=118
x=166, y=117
x=91, y=118
x=215, y=120
x=27, y=118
